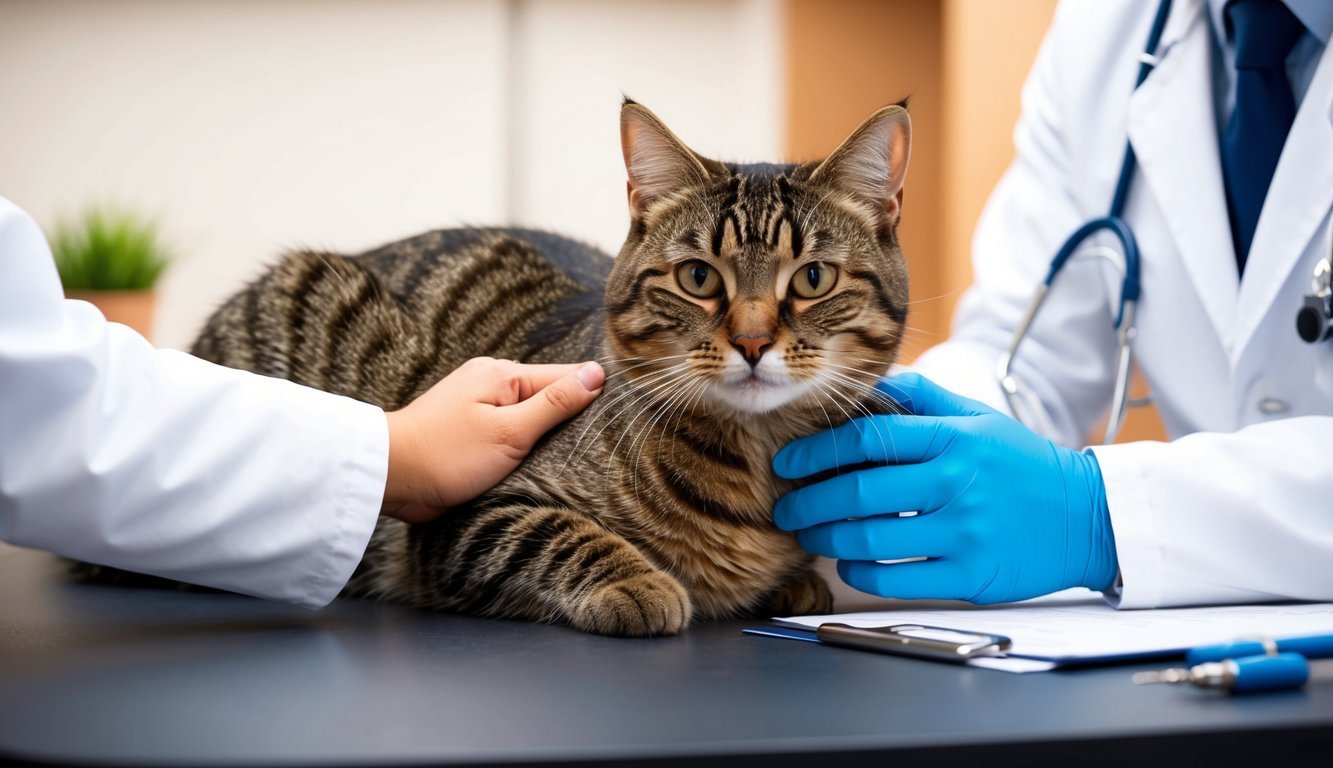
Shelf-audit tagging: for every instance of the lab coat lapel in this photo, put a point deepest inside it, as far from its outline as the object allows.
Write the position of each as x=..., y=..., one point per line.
x=1298, y=199
x=1174, y=135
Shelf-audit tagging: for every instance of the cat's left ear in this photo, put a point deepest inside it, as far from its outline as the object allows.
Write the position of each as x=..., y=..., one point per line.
x=872, y=162
x=657, y=162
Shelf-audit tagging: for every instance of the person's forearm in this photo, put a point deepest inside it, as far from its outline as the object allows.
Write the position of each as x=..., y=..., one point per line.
x=151, y=460
x=1224, y=518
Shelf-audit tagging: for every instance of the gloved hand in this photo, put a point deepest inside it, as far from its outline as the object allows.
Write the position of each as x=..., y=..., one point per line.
x=1005, y=514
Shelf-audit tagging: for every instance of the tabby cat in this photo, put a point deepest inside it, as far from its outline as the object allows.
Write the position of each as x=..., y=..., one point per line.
x=750, y=304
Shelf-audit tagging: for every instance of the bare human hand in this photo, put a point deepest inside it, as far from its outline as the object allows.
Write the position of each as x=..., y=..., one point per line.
x=470, y=430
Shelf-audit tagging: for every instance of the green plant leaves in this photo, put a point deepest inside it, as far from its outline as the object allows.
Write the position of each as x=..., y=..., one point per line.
x=109, y=250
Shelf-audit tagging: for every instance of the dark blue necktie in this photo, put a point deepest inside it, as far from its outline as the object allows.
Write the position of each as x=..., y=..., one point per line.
x=1264, y=33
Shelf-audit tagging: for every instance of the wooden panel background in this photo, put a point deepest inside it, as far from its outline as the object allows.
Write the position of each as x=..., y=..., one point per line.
x=847, y=58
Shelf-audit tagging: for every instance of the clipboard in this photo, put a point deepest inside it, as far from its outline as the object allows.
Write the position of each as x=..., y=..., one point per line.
x=1065, y=630
x=916, y=640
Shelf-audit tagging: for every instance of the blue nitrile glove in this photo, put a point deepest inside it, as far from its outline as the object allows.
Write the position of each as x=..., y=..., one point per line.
x=1005, y=514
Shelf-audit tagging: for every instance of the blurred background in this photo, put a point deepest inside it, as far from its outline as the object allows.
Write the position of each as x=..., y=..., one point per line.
x=247, y=127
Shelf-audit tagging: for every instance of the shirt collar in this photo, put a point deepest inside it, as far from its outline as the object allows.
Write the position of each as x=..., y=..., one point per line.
x=1316, y=15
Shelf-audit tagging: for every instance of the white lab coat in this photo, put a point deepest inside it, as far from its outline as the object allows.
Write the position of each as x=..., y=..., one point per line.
x=1238, y=506
x=117, y=453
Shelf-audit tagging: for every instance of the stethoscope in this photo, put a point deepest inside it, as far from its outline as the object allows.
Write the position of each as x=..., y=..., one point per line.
x=1314, y=322
x=1022, y=401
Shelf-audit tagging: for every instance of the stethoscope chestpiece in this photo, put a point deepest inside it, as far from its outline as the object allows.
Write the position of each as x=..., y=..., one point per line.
x=1314, y=320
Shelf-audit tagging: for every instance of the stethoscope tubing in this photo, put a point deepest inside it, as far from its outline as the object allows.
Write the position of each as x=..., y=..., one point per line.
x=1130, y=286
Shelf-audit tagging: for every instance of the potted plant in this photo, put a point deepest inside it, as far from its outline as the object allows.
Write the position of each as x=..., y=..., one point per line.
x=113, y=259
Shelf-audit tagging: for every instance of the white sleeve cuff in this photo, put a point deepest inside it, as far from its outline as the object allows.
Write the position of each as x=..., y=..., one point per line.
x=1138, y=548
x=357, y=500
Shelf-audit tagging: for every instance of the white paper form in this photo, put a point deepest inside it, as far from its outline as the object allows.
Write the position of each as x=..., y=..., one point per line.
x=1071, y=628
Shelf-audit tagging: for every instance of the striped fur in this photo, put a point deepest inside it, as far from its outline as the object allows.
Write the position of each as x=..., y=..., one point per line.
x=652, y=507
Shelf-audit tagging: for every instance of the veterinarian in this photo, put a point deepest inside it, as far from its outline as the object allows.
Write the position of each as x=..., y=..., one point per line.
x=1230, y=204
x=150, y=460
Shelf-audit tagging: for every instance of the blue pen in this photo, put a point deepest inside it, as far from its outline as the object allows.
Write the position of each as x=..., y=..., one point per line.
x=1309, y=646
x=1247, y=674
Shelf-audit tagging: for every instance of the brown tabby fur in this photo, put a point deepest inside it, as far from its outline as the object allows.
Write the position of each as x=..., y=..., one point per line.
x=653, y=507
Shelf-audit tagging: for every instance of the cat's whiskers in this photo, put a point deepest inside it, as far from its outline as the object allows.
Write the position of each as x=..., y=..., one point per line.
x=634, y=397
x=699, y=392
x=862, y=386
x=636, y=414
x=874, y=424
x=819, y=388
x=866, y=360
x=635, y=409
x=831, y=392
x=678, y=412
x=945, y=295
x=865, y=389
x=836, y=395
x=676, y=399
x=877, y=396
x=856, y=371
x=623, y=370
x=882, y=397
x=639, y=442
x=890, y=385
x=608, y=408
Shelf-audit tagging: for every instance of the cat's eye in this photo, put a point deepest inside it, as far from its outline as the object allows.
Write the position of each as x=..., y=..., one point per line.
x=699, y=279
x=814, y=280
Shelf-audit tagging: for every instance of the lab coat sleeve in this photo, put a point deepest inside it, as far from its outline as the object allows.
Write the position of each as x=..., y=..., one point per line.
x=1187, y=534
x=1067, y=357
x=117, y=453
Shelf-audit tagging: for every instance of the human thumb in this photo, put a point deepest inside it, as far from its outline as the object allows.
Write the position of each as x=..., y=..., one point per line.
x=560, y=400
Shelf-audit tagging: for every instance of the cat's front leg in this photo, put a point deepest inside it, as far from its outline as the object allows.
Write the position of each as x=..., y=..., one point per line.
x=607, y=587
x=548, y=563
x=805, y=594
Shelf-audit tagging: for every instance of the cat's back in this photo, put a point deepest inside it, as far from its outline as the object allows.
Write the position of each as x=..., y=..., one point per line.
x=509, y=292
x=385, y=324
x=446, y=264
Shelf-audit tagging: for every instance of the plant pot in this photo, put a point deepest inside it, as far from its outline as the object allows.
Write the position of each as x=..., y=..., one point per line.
x=132, y=308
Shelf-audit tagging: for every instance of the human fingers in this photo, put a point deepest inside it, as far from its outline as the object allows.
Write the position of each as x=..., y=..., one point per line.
x=937, y=579
x=923, y=397
x=869, y=440
x=534, y=377
x=866, y=492
x=883, y=538
x=557, y=401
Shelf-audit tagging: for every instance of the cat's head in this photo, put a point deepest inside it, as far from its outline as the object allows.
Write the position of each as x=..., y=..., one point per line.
x=751, y=288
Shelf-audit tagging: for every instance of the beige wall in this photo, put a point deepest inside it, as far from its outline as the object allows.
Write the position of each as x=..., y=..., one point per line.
x=251, y=126
x=712, y=70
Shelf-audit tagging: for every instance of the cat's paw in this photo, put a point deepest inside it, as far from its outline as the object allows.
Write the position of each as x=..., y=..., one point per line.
x=802, y=596
x=641, y=606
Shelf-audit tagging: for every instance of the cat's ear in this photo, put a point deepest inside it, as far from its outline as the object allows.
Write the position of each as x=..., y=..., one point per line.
x=657, y=162
x=872, y=162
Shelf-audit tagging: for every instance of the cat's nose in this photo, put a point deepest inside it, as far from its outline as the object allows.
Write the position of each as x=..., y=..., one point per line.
x=752, y=346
